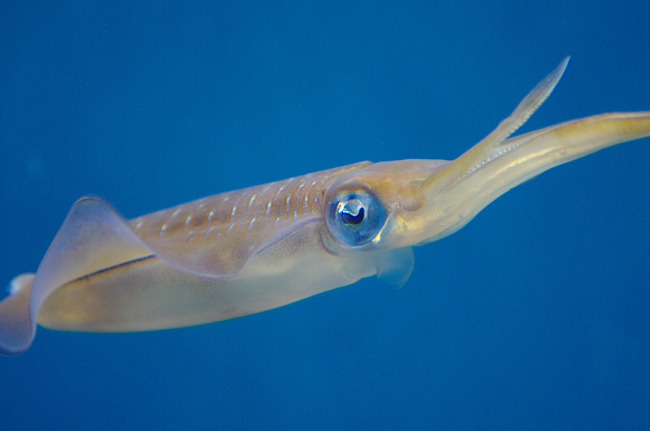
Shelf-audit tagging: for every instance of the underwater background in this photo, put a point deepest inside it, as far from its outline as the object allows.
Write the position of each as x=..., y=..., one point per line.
x=534, y=316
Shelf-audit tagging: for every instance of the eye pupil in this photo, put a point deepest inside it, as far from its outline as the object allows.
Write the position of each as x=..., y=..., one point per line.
x=355, y=218
x=349, y=218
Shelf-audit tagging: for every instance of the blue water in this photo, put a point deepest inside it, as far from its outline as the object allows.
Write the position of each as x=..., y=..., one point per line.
x=534, y=316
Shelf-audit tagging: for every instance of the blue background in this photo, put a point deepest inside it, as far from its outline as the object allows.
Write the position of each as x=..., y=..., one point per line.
x=534, y=316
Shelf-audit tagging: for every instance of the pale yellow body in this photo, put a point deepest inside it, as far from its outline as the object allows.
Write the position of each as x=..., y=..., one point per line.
x=250, y=250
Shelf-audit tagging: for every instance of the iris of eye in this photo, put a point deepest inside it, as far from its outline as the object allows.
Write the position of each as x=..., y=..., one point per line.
x=349, y=218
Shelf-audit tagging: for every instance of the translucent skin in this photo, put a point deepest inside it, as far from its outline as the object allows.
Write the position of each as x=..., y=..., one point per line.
x=254, y=249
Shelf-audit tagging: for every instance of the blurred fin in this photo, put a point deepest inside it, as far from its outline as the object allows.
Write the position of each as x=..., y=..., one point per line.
x=93, y=237
x=395, y=267
x=14, y=316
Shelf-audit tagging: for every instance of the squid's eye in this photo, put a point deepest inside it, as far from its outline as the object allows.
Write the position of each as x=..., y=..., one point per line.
x=355, y=218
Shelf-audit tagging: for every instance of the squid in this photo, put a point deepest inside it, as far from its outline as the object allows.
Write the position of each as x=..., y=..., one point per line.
x=254, y=249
